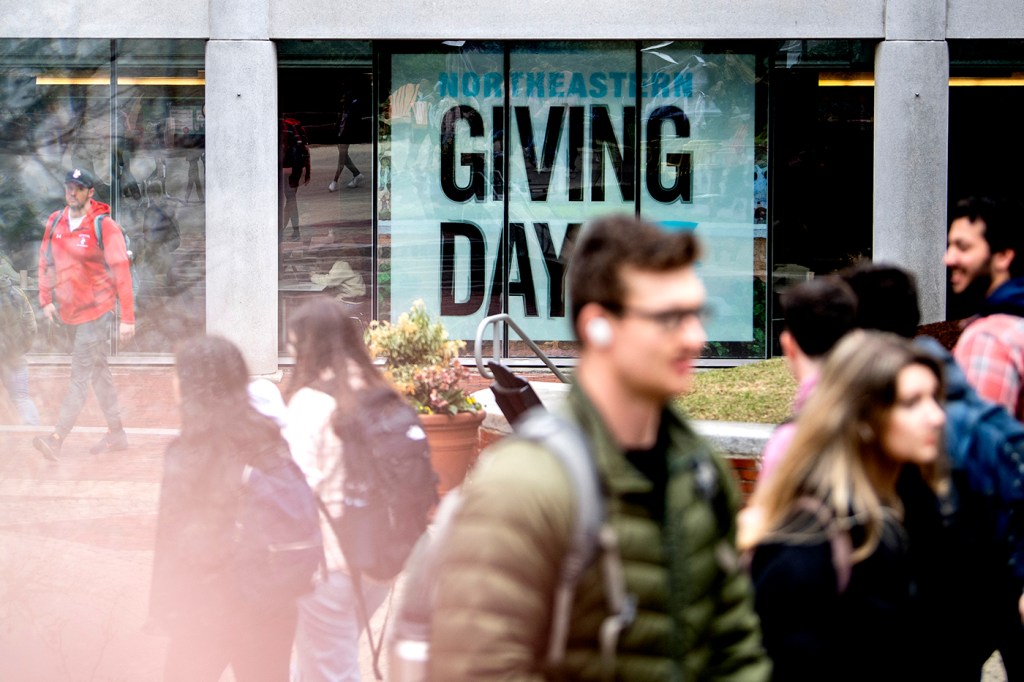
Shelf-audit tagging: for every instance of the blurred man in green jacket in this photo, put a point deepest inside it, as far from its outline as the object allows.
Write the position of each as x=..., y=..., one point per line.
x=637, y=308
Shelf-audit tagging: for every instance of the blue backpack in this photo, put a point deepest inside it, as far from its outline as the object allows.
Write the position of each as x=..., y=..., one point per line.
x=278, y=546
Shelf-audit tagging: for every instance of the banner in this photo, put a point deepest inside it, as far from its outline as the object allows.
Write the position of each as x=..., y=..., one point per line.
x=587, y=136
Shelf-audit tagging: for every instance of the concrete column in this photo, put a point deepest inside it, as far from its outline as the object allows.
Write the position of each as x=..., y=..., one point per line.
x=911, y=140
x=241, y=201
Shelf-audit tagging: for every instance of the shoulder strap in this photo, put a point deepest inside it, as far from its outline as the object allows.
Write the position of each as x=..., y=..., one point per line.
x=97, y=226
x=839, y=538
x=362, y=613
x=49, y=234
x=590, y=533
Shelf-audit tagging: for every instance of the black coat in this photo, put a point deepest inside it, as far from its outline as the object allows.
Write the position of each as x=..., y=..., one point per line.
x=814, y=632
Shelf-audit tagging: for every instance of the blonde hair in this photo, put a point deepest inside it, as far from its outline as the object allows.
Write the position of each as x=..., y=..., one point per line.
x=836, y=446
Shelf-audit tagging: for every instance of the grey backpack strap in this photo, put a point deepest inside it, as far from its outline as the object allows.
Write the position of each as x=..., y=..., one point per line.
x=590, y=535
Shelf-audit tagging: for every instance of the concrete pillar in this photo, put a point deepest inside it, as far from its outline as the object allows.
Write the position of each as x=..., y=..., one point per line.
x=241, y=201
x=910, y=157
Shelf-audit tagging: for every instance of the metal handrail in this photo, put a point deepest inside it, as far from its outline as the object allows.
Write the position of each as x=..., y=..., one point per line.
x=507, y=319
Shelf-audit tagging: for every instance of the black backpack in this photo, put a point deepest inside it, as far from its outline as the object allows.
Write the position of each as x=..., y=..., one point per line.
x=277, y=541
x=390, y=486
x=389, y=491
x=296, y=149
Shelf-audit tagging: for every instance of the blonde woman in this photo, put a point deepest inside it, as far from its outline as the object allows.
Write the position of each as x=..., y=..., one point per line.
x=833, y=576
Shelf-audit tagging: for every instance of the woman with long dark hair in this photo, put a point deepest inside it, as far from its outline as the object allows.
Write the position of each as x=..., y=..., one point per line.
x=197, y=591
x=833, y=574
x=331, y=366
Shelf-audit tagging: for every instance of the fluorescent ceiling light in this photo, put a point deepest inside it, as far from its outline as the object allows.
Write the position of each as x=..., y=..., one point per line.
x=122, y=80
x=867, y=80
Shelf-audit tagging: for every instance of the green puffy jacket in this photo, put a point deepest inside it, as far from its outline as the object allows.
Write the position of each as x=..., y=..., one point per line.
x=500, y=563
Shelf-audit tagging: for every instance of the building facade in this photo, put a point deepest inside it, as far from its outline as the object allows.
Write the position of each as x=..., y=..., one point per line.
x=262, y=152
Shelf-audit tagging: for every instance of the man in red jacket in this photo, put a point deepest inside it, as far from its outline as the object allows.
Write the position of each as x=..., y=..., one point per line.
x=80, y=281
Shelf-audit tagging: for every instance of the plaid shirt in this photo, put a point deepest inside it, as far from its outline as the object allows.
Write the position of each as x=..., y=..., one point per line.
x=991, y=353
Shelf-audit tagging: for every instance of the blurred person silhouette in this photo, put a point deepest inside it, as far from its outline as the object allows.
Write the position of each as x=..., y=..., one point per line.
x=197, y=595
x=195, y=153
x=886, y=298
x=831, y=564
x=194, y=156
x=161, y=235
x=816, y=314
x=17, y=332
x=295, y=160
x=347, y=131
x=637, y=306
x=81, y=283
x=128, y=139
x=332, y=367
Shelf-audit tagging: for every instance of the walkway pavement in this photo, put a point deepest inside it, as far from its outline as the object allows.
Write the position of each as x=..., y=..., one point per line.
x=76, y=539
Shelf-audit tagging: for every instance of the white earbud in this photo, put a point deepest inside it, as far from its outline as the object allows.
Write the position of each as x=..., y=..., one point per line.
x=599, y=332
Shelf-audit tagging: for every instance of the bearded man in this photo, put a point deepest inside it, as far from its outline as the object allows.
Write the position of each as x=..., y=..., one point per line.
x=983, y=243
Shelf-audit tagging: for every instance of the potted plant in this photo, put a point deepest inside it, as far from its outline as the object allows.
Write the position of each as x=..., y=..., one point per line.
x=423, y=365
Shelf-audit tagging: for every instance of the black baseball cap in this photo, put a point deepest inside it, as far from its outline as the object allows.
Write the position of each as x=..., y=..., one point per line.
x=80, y=176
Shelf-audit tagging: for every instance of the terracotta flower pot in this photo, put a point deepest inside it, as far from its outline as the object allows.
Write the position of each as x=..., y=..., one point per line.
x=454, y=441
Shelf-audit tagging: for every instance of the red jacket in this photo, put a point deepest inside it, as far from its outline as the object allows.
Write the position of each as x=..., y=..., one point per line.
x=84, y=279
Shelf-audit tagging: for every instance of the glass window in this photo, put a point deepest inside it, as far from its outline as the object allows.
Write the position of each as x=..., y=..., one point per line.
x=572, y=158
x=442, y=168
x=129, y=112
x=705, y=169
x=822, y=156
x=494, y=156
x=326, y=191
x=986, y=86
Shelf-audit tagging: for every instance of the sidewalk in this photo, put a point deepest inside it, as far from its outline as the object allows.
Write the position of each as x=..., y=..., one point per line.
x=76, y=538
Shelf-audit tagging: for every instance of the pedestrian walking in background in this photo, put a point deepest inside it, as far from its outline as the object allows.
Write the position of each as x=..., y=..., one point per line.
x=348, y=130
x=831, y=563
x=816, y=314
x=199, y=595
x=17, y=332
x=295, y=160
x=82, y=279
x=332, y=367
x=161, y=237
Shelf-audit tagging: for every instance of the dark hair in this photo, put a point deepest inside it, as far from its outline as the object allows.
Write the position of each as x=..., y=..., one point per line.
x=1002, y=229
x=818, y=313
x=886, y=298
x=213, y=382
x=327, y=338
x=622, y=241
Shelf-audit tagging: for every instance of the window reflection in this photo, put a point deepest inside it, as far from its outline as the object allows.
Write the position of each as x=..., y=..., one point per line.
x=131, y=113
x=327, y=123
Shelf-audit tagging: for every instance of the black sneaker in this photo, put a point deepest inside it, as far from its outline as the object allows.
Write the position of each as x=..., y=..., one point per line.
x=110, y=442
x=49, y=446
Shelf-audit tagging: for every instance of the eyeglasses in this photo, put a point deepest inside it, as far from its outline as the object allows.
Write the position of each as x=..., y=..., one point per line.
x=669, y=320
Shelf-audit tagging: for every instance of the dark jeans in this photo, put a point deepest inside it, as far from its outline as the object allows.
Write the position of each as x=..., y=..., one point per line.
x=89, y=366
